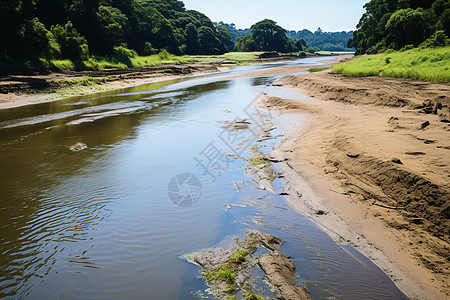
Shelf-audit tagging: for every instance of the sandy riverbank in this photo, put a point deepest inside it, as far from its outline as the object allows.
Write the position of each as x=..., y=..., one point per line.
x=370, y=163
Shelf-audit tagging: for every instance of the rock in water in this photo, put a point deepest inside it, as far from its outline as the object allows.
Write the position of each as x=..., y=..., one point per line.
x=78, y=147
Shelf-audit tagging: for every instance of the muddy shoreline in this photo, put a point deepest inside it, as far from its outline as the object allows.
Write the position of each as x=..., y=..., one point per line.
x=370, y=166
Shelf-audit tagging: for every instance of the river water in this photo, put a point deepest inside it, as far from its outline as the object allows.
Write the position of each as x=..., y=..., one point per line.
x=111, y=221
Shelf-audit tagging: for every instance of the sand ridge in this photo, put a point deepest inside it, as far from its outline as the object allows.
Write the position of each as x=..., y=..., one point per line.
x=376, y=152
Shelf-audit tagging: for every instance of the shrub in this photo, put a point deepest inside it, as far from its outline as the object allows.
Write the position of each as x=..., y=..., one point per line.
x=124, y=55
x=164, y=54
x=438, y=39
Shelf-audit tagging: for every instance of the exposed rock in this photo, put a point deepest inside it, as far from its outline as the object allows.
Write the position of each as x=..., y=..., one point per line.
x=280, y=271
x=227, y=269
x=78, y=147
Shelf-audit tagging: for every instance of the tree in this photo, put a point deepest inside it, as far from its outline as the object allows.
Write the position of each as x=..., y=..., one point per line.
x=269, y=36
x=191, y=39
x=245, y=43
x=405, y=27
x=224, y=37
x=396, y=23
x=208, y=41
x=72, y=44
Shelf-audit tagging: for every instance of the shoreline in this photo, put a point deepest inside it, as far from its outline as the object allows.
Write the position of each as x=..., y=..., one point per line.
x=20, y=90
x=339, y=146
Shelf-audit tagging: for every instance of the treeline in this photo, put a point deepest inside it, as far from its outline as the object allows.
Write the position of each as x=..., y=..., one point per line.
x=395, y=24
x=234, y=32
x=267, y=35
x=74, y=29
x=312, y=41
x=325, y=41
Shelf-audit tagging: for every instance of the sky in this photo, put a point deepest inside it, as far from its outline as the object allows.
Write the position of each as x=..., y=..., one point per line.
x=330, y=15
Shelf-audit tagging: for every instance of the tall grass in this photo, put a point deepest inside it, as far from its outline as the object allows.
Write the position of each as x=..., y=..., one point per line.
x=429, y=64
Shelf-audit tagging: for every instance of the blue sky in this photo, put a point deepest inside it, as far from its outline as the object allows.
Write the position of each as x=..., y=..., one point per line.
x=330, y=15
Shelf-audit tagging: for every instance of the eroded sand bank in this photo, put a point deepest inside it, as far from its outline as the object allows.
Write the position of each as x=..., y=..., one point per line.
x=370, y=163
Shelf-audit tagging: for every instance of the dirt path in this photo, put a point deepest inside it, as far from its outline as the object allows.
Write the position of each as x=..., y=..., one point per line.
x=376, y=154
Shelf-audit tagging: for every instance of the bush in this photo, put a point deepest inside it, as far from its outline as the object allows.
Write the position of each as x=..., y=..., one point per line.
x=406, y=48
x=72, y=44
x=148, y=49
x=438, y=39
x=124, y=55
x=164, y=54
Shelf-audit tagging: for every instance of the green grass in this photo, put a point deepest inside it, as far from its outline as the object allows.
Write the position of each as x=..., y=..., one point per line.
x=87, y=81
x=323, y=52
x=225, y=274
x=429, y=64
x=318, y=69
x=100, y=63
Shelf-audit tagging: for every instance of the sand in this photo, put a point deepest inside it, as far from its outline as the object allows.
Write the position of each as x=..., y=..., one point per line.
x=369, y=163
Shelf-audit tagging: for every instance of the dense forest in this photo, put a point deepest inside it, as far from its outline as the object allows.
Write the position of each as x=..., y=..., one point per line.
x=394, y=24
x=320, y=40
x=74, y=29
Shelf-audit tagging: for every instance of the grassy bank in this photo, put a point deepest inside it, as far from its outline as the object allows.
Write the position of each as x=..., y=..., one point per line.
x=122, y=62
x=99, y=63
x=430, y=64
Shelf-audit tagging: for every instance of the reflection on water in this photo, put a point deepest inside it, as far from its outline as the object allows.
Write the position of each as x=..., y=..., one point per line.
x=97, y=223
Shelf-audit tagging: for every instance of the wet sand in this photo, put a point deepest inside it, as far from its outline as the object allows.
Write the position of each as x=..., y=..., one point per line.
x=369, y=163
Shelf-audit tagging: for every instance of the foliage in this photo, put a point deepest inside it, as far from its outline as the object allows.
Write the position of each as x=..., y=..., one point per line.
x=325, y=41
x=267, y=36
x=234, y=32
x=249, y=295
x=70, y=29
x=245, y=43
x=239, y=256
x=223, y=273
x=313, y=70
x=72, y=45
x=394, y=24
x=430, y=64
x=438, y=39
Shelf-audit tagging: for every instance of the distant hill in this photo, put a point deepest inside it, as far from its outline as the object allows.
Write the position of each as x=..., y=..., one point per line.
x=324, y=41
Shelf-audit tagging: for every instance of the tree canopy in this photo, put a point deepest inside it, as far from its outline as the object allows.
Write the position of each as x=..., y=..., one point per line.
x=266, y=35
x=393, y=24
x=321, y=40
x=73, y=28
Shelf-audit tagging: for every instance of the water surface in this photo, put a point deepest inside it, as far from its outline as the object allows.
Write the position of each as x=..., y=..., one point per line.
x=98, y=223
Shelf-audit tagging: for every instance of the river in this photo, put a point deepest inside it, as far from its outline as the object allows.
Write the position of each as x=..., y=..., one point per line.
x=112, y=220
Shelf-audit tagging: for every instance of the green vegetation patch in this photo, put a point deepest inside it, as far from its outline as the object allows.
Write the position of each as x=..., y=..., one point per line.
x=429, y=64
x=239, y=256
x=258, y=161
x=312, y=70
x=87, y=81
x=224, y=273
x=249, y=295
